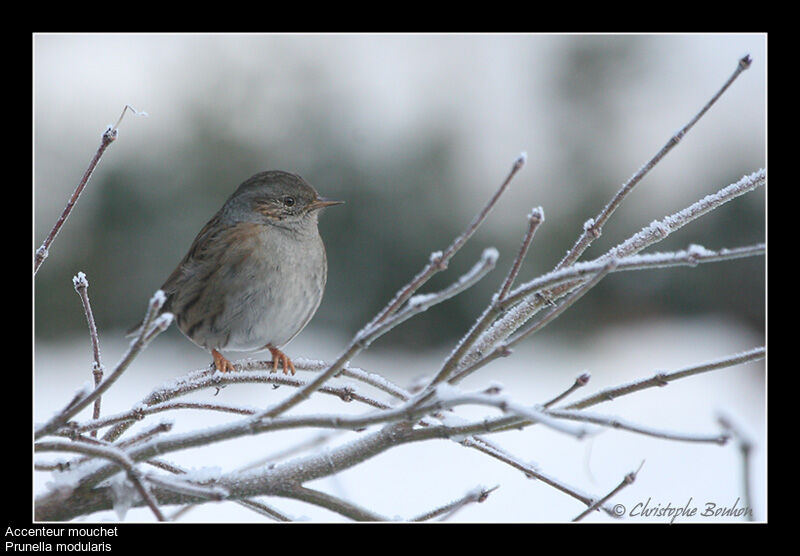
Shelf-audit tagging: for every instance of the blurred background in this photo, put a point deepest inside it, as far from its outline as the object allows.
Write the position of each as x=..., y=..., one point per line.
x=415, y=133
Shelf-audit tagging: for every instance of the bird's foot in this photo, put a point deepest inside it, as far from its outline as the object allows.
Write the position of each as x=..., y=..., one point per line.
x=220, y=363
x=278, y=355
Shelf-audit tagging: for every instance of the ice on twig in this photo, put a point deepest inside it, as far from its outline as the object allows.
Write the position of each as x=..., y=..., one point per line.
x=163, y=321
x=80, y=281
x=490, y=255
x=158, y=299
x=421, y=299
x=123, y=495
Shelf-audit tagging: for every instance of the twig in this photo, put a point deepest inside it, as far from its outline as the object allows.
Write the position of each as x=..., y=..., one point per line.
x=332, y=503
x=504, y=348
x=146, y=334
x=629, y=479
x=581, y=381
x=491, y=312
x=187, y=488
x=380, y=326
x=118, y=457
x=745, y=445
x=662, y=379
x=263, y=509
x=592, y=229
x=440, y=260
x=145, y=435
x=691, y=256
x=158, y=400
x=478, y=495
x=422, y=302
x=617, y=423
x=108, y=137
x=81, y=285
x=653, y=233
x=482, y=445
x=535, y=218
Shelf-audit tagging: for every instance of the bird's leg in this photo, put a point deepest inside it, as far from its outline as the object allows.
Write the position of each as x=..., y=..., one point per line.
x=284, y=359
x=221, y=364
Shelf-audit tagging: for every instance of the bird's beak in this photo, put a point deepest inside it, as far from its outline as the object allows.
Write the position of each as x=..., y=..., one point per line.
x=322, y=202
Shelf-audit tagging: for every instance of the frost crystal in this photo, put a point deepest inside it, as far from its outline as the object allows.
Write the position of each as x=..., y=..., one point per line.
x=80, y=281
x=123, y=495
x=490, y=254
x=420, y=299
x=158, y=298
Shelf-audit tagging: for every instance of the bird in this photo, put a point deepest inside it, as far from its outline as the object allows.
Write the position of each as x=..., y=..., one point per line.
x=254, y=276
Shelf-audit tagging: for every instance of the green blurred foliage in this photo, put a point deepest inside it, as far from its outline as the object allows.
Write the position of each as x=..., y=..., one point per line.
x=400, y=206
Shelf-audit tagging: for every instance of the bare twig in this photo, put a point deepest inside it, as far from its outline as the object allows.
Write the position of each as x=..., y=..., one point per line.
x=332, y=503
x=618, y=423
x=745, y=445
x=535, y=218
x=581, y=381
x=592, y=229
x=504, y=349
x=627, y=480
x=108, y=137
x=662, y=379
x=118, y=457
x=656, y=231
x=82, y=286
x=476, y=495
x=483, y=445
x=440, y=260
x=152, y=326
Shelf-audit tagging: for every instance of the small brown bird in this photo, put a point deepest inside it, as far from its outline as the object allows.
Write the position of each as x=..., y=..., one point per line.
x=254, y=275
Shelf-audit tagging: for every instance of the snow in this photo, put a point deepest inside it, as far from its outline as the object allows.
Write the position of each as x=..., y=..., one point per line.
x=414, y=478
x=490, y=255
x=80, y=281
x=123, y=495
x=435, y=256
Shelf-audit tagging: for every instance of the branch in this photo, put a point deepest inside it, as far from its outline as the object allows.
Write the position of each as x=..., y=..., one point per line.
x=476, y=495
x=512, y=319
x=108, y=137
x=81, y=285
x=628, y=480
x=118, y=457
x=592, y=229
x=146, y=334
x=662, y=379
x=745, y=445
x=332, y=503
x=580, y=382
x=617, y=423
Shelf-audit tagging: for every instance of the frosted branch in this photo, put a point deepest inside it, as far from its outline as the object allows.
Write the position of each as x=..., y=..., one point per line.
x=593, y=229
x=108, y=137
x=119, y=459
x=152, y=326
x=662, y=379
x=655, y=232
x=627, y=480
x=476, y=495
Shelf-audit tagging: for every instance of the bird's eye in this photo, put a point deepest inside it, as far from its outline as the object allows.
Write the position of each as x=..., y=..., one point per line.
x=289, y=201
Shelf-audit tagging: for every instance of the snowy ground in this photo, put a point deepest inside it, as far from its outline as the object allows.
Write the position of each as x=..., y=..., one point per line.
x=413, y=479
